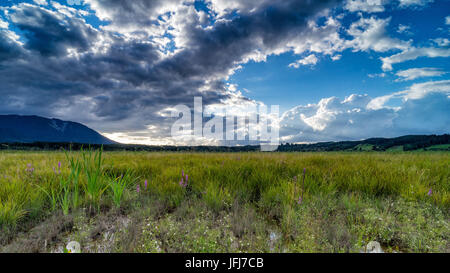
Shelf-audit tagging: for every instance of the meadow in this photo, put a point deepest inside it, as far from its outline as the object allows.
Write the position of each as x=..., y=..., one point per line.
x=224, y=202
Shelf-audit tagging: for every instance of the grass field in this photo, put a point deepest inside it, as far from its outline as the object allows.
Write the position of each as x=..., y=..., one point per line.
x=230, y=202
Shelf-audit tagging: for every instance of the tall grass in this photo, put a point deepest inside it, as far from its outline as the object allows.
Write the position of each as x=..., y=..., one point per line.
x=119, y=185
x=95, y=185
x=74, y=177
x=92, y=178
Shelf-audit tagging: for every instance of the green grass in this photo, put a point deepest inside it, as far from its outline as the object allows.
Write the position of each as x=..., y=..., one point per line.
x=439, y=147
x=233, y=202
x=395, y=149
x=363, y=147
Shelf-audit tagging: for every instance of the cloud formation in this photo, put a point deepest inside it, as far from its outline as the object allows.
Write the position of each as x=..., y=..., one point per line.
x=122, y=73
x=412, y=54
x=309, y=60
x=116, y=65
x=415, y=73
x=369, y=6
x=408, y=3
x=424, y=110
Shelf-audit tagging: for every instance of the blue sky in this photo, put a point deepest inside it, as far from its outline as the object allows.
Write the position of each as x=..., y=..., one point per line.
x=339, y=70
x=351, y=73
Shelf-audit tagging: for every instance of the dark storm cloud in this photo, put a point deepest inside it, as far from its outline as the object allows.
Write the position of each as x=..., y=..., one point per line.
x=9, y=49
x=50, y=33
x=115, y=82
x=220, y=48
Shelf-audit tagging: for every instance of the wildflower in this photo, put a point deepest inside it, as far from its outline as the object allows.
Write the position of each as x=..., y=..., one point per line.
x=184, y=179
x=138, y=188
x=146, y=184
x=59, y=168
x=300, y=200
x=30, y=168
x=430, y=192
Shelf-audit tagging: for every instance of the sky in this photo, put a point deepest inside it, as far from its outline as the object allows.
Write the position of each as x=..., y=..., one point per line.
x=339, y=70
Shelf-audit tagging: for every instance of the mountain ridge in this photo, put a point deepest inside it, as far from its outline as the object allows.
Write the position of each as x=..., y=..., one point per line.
x=32, y=128
x=51, y=133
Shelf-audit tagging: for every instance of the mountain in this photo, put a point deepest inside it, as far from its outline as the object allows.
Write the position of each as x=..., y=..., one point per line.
x=403, y=143
x=29, y=129
x=24, y=132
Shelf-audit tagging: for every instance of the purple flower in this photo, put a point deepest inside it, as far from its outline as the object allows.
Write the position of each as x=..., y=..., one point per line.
x=29, y=168
x=138, y=188
x=430, y=192
x=146, y=184
x=300, y=200
x=184, y=179
x=59, y=168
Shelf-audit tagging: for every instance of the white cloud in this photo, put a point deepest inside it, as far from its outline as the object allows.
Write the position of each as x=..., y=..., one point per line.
x=222, y=7
x=423, y=110
x=366, y=34
x=380, y=75
x=404, y=29
x=41, y=2
x=368, y=6
x=133, y=18
x=412, y=54
x=427, y=115
x=414, y=92
x=409, y=3
x=415, y=73
x=420, y=90
x=379, y=102
x=336, y=57
x=3, y=24
x=323, y=39
x=370, y=34
x=447, y=20
x=309, y=60
x=442, y=42
x=333, y=119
